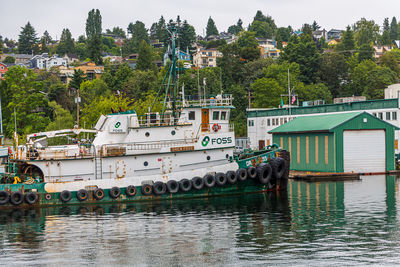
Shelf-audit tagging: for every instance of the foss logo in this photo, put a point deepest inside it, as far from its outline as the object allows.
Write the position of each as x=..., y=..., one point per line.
x=218, y=141
x=117, y=125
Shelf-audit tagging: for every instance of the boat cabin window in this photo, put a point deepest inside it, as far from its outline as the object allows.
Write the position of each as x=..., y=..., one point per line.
x=192, y=115
x=216, y=115
x=223, y=115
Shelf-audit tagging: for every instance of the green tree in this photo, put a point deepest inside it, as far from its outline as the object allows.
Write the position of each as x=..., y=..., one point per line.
x=347, y=45
x=116, y=75
x=366, y=52
x=248, y=46
x=138, y=33
x=263, y=26
x=145, y=59
x=117, y=31
x=235, y=29
x=394, y=29
x=58, y=92
x=137, y=85
x=47, y=38
x=304, y=51
x=366, y=31
x=315, y=92
x=267, y=93
x=211, y=28
x=62, y=118
x=315, y=26
x=66, y=44
x=385, y=39
x=27, y=41
x=334, y=73
x=103, y=105
x=389, y=60
x=9, y=60
x=307, y=29
x=187, y=35
x=77, y=79
x=93, y=34
x=89, y=90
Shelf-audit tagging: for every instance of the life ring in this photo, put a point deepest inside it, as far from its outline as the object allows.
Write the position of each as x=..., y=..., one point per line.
x=4, y=197
x=115, y=192
x=264, y=172
x=98, y=193
x=159, y=188
x=47, y=196
x=216, y=127
x=220, y=179
x=130, y=191
x=172, y=186
x=82, y=195
x=278, y=167
x=252, y=172
x=31, y=198
x=231, y=177
x=241, y=174
x=65, y=196
x=147, y=189
x=197, y=183
x=185, y=185
x=209, y=180
x=16, y=198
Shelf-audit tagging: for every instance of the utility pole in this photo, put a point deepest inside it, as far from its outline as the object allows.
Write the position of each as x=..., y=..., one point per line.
x=249, y=99
x=77, y=107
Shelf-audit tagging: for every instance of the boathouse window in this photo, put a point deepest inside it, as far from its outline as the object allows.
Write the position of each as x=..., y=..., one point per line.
x=192, y=115
x=269, y=122
x=216, y=115
x=273, y=122
x=223, y=115
x=251, y=123
x=388, y=116
x=394, y=115
x=380, y=115
x=374, y=114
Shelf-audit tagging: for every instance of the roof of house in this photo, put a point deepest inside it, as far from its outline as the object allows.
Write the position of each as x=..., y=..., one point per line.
x=321, y=123
x=315, y=123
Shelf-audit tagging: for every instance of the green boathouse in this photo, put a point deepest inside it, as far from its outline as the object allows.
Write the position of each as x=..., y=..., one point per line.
x=341, y=142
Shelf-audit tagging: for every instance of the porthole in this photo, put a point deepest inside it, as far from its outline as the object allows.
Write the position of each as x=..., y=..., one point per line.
x=173, y=132
x=208, y=157
x=145, y=163
x=147, y=134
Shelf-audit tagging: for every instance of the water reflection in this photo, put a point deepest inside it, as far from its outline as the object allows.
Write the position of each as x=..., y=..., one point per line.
x=313, y=223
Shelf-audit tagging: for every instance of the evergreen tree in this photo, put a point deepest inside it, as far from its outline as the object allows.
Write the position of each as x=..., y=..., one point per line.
x=187, y=35
x=394, y=29
x=27, y=41
x=385, y=39
x=235, y=29
x=145, y=59
x=211, y=28
x=138, y=33
x=348, y=43
x=117, y=31
x=93, y=34
x=161, y=32
x=77, y=79
x=47, y=38
x=263, y=26
x=66, y=43
x=315, y=26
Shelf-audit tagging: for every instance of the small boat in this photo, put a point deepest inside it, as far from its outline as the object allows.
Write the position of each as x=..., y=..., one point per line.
x=185, y=151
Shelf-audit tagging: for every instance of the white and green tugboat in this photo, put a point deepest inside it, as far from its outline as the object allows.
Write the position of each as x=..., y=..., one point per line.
x=186, y=151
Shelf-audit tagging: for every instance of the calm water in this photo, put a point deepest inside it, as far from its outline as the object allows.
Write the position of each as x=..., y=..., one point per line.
x=342, y=223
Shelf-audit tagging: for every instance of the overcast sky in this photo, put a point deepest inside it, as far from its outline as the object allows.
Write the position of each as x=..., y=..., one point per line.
x=54, y=15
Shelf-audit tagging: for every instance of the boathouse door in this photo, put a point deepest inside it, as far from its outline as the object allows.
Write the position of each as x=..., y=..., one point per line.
x=205, y=119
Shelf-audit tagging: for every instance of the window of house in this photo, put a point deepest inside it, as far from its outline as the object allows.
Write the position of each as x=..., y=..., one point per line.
x=380, y=115
x=210, y=54
x=204, y=61
x=223, y=115
x=273, y=122
x=2, y=67
x=388, y=116
x=374, y=114
x=394, y=115
x=210, y=60
x=192, y=115
x=277, y=121
x=204, y=53
x=268, y=122
x=251, y=123
x=285, y=121
x=216, y=115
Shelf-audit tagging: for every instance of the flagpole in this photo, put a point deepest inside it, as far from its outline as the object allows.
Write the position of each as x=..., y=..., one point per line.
x=289, y=100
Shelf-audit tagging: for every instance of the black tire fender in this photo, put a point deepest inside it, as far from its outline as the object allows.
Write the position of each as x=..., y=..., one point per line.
x=278, y=167
x=172, y=186
x=252, y=172
x=159, y=188
x=264, y=172
x=241, y=174
x=197, y=183
x=209, y=180
x=115, y=192
x=31, y=198
x=220, y=179
x=185, y=185
x=16, y=198
x=4, y=197
x=65, y=196
x=231, y=177
x=130, y=191
x=82, y=195
x=146, y=190
x=98, y=194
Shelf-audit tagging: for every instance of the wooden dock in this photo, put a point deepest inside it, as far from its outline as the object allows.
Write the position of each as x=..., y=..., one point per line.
x=323, y=176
